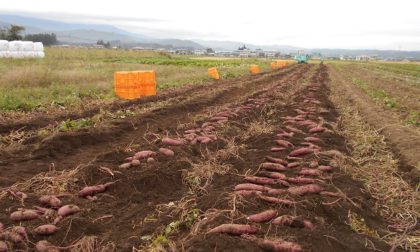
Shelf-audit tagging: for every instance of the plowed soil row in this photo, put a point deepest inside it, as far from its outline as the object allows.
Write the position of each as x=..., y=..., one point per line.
x=173, y=202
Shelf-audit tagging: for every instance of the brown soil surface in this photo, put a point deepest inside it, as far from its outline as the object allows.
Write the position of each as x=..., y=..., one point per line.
x=145, y=200
x=404, y=140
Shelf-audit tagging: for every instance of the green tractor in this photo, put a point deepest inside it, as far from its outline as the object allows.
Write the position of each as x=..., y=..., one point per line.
x=302, y=58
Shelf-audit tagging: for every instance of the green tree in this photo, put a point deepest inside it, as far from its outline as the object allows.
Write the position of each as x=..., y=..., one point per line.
x=14, y=31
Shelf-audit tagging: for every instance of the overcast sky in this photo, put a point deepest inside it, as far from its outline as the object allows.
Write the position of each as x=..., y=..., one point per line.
x=352, y=24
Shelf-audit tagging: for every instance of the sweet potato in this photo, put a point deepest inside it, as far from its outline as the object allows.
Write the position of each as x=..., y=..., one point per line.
x=317, y=129
x=92, y=190
x=47, y=229
x=285, y=134
x=274, y=175
x=68, y=210
x=125, y=165
x=45, y=246
x=273, y=166
x=249, y=187
x=274, y=246
x=284, y=143
x=293, y=164
x=24, y=215
x=234, y=229
x=135, y=162
x=301, y=152
x=325, y=168
x=51, y=201
x=276, y=160
x=263, y=216
x=273, y=191
x=275, y=200
x=170, y=141
x=265, y=181
x=204, y=139
x=293, y=158
x=166, y=152
x=309, y=172
x=305, y=189
x=285, y=220
x=3, y=247
x=11, y=236
x=277, y=149
x=308, y=224
x=1, y=227
x=312, y=139
x=295, y=130
x=301, y=180
x=150, y=160
x=144, y=154
x=21, y=231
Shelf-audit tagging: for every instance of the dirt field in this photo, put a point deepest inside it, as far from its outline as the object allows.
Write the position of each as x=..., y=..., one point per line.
x=236, y=157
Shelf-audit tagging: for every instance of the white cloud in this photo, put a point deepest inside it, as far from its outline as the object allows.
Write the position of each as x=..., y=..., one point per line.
x=324, y=23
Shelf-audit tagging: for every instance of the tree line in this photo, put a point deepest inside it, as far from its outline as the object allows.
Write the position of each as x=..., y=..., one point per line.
x=14, y=33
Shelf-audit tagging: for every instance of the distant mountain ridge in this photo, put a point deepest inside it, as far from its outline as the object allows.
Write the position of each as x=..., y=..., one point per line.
x=78, y=33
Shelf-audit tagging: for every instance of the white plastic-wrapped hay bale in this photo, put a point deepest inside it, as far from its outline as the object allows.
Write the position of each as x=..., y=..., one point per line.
x=39, y=50
x=4, y=48
x=16, y=49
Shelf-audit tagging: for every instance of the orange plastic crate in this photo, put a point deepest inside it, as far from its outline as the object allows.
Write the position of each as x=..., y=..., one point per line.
x=213, y=73
x=254, y=69
x=134, y=84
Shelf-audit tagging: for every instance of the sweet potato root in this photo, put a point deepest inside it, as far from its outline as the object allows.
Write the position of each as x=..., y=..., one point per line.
x=295, y=130
x=305, y=189
x=293, y=164
x=276, y=160
x=273, y=166
x=246, y=192
x=47, y=229
x=284, y=143
x=312, y=139
x=274, y=175
x=144, y=154
x=170, y=141
x=45, y=246
x=24, y=215
x=285, y=220
x=166, y=152
x=234, y=229
x=92, y=190
x=309, y=172
x=317, y=129
x=263, y=216
x=277, y=149
x=275, y=246
x=275, y=200
x=51, y=201
x=301, y=180
x=325, y=168
x=301, y=152
x=249, y=187
x=68, y=210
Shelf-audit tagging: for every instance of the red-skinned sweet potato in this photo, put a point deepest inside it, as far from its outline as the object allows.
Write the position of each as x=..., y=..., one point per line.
x=68, y=210
x=309, y=172
x=326, y=168
x=305, y=189
x=170, y=141
x=275, y=200
x=277, y=149
x=301, y=180
x=92, y=190
x=273, y=166
x=166, y=152
x=234, y=229
x=317, y=129
x=144, y=154
x=249, y=187
x=293, y=164
x=51, y=201
x=276, y=160
x=284, y=143
x=263, y=216
x=312, y=139
x=47, y=229
x=3, y=246
x=24, y=215
x=274, y=175
x=301, y=152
